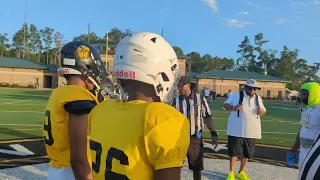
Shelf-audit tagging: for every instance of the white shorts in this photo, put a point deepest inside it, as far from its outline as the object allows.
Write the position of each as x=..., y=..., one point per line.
x=60, y=174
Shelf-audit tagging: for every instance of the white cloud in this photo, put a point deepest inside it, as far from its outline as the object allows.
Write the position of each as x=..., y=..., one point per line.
x=257, y=6
x=212, y=4
x=281, y=21
x=315, y=2
x=297, y=3
x=243, y=13
x=237, y=23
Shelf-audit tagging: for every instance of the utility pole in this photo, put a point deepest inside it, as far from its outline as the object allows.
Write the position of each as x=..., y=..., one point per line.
x=107, y=42
x=24, y=29
x=89, y=33
x=162, y=32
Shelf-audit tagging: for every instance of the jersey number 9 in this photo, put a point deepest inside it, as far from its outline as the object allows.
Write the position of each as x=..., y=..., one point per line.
x=47, y=127
x=113, y=153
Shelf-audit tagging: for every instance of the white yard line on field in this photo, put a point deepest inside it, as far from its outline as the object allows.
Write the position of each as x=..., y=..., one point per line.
x=284, y=108
x=21, y=111
x=31, y=125
x=14, y=102
x=278, y=120
x=6, y=130
x=39, y=95
x=36, y=104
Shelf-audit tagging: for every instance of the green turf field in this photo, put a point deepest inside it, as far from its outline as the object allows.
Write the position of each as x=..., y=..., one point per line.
x=22, y=111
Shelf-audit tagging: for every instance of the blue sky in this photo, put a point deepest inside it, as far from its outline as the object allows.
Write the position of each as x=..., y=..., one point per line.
x=215, y=27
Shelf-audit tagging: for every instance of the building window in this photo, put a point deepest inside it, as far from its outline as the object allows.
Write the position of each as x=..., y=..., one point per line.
x=268, y=93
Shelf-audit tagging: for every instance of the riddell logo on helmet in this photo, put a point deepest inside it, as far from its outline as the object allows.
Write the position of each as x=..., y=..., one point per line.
x=126, y=74
x=64, y=71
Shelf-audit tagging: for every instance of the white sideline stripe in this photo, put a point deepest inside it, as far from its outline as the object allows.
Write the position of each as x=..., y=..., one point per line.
x=278, y=121
x=13, y=152
x=38, y=104
x=261, y=132
x=32, y=125
x=21, y=111
x=280, y=133
x=21, y=149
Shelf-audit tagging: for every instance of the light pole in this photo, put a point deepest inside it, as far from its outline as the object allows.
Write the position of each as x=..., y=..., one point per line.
x=24, y=29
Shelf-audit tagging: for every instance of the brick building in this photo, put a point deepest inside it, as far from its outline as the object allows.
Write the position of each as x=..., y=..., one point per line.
x=25, y=73
x=222, y=81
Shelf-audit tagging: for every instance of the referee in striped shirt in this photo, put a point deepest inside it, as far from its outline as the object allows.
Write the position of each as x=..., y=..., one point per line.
x=310, y=169
x=196, y=109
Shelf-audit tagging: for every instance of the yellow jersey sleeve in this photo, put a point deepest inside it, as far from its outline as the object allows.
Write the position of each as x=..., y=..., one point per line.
x=167, y=136
x=72, y=93
x=56, y=121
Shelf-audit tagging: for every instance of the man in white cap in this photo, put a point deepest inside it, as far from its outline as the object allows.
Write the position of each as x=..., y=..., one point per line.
x=244, y=126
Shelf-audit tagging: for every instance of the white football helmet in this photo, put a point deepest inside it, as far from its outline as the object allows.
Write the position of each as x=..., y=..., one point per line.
x=148, y=58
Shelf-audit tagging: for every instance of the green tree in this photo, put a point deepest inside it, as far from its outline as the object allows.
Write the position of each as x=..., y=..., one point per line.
x=58, y=41
x=263, y=55
x=35, y=43
x=46, y=35
x=194, y=57
x=18, y=41
x=93, y=38
x=206, y=63
x=178, y=50
x=3, y=44
x=246, y=62
x=223, y=63
x=115, y=35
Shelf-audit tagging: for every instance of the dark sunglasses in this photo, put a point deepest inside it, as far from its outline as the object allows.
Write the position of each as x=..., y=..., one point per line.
x=252, y=88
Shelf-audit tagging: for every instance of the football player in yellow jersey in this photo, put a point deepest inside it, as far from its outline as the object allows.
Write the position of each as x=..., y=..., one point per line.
x=142, y=138
x=65, y=128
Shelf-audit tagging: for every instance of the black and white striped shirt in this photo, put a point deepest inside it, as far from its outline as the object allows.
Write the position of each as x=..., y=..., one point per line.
x=195, y=108
x=310, y=169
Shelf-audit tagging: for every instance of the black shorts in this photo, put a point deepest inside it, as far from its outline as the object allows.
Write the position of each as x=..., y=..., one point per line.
x=195, y=154
x=238, y=146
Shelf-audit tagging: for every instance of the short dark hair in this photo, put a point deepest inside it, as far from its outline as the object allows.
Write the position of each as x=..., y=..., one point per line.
x=132, y=86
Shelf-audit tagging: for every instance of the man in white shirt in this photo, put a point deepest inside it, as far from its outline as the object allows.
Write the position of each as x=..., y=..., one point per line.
x=310, y=123
x=229, y=93
x=244, y=126
x=206, y=93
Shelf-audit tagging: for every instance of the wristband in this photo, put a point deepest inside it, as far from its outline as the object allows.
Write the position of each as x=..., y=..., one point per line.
x=214, y=134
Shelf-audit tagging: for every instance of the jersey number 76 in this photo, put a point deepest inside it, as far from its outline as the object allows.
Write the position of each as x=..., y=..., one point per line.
x=113, y=153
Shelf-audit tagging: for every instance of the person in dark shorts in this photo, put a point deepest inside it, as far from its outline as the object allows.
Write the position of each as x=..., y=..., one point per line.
x=244, y=126
x=195, y=107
